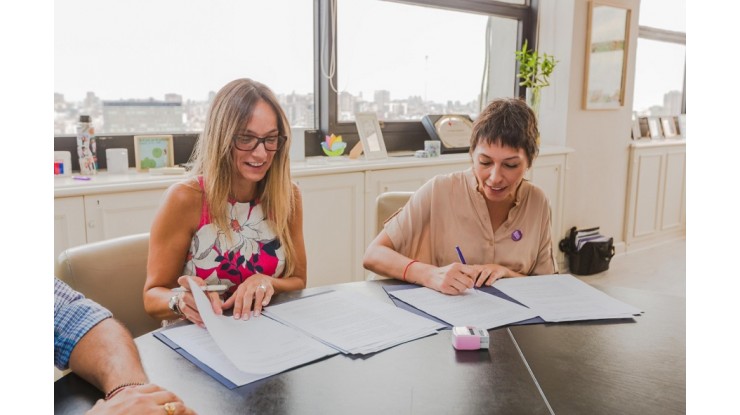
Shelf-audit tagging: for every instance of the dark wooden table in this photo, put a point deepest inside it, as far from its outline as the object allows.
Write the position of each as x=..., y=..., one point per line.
x=626, y=367
x=613, y=367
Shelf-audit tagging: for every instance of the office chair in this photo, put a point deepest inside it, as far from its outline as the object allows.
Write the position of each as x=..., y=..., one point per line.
x=112, y=273
x=387, y=204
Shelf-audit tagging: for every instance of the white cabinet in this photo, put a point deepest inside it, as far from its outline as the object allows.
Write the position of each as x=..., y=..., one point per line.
x=548, y=173
x=83, y=219
x=118, y=214
x=656, y=202
x=69, y=223
x=333, y=227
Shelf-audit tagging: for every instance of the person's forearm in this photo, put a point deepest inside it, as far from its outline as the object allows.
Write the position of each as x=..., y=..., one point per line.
x=389, y=263
x=107, y=357
x=156, y=303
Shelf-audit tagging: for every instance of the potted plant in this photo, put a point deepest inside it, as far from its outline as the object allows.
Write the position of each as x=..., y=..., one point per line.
x=534, y=73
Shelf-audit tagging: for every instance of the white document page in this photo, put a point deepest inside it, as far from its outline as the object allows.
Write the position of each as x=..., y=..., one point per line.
x=257, y=345
x=352, y=322
x=564, y=298
x=471, y=308
x=201, y=346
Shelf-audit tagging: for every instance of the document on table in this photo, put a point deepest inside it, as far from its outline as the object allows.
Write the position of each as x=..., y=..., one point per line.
x=564, y=298
x=258, y=346
x=353, y=323
x=471, y=308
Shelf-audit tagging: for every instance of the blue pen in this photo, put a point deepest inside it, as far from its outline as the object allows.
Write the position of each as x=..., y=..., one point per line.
x=460, y=255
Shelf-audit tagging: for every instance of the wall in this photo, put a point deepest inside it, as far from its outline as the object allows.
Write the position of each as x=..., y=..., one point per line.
x=596, y=176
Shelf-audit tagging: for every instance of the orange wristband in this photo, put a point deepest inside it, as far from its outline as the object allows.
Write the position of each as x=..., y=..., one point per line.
x=407, y=268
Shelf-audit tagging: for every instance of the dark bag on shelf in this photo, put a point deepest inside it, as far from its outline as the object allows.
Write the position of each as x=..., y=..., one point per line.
x=593, y=256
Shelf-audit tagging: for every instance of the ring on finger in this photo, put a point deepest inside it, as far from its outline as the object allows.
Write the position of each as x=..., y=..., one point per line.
x=262, y=287
x=170, y=408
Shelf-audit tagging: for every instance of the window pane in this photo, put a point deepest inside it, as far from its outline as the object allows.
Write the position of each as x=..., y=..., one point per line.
x=663, y=14
x=659, y=74
x=404, y=61
x=152, y=66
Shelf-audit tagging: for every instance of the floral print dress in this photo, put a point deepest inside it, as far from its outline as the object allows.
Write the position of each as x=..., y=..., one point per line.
x=253, y=248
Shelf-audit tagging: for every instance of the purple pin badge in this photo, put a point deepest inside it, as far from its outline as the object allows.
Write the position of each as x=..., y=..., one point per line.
x=517, y=235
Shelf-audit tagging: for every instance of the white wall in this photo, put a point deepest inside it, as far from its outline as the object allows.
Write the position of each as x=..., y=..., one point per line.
x=596, y=177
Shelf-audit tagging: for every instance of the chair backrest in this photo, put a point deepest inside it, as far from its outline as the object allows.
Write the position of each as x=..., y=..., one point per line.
x=112, y=273
x=387, y=204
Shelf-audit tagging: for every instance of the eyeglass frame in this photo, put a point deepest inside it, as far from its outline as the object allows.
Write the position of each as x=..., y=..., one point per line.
x=281, y=139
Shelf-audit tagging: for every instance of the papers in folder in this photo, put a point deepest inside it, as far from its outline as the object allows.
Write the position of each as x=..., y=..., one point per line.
x=353, y=323
x=564, y=298
x=245, y=350
x=471, y=308
x=294, y=333
x=553, y=298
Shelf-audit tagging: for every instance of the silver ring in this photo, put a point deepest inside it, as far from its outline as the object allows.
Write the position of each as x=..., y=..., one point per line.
x=262, y=286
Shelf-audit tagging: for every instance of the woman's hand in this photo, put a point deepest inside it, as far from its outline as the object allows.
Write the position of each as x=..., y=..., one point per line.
x=187, y=302
x=453, y=279
x=488, y=274
x=257, y=290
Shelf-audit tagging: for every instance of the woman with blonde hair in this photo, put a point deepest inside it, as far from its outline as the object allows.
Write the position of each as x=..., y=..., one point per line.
x=238, y=220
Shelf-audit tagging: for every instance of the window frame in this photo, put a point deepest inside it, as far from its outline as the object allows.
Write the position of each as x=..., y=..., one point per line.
x=402, y=135
x=666, y=36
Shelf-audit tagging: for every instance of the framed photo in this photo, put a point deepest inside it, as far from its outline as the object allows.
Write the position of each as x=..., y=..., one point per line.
x=153, y=151
x=681, y=123
x=654, y=128
x=371, y=137
x=669, y=127
x=644, y=127
x=636, y=133
x=607, y=39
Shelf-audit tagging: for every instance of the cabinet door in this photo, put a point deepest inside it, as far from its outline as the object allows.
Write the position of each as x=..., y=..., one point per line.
x=548, y=173
x=397, y=180
x=656, y=205
x=333, y=227
x=674, y=195
x=69, y=224
x=118, y=214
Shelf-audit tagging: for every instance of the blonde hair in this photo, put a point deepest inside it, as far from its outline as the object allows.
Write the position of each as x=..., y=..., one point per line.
x=231, y=109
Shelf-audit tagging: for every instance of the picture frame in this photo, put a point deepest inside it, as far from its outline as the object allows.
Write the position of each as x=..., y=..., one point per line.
x=153, y=151
x=644, y=127
x=636, y=133
x=607, y=40
x=371, y=136
x=654, y=128
x=668, y=124
x=681, y=124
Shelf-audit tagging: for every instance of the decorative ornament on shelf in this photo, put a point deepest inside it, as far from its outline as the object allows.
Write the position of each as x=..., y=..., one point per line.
x=534, y=73
x=333, y=145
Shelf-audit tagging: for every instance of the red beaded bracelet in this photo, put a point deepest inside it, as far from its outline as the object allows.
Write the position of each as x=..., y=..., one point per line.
x=407, y=268
x=119, y=388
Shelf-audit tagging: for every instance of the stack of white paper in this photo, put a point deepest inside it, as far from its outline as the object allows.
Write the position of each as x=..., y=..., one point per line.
x=564, y=298
x=471, y=308
x=254, y=348
x=351, y=322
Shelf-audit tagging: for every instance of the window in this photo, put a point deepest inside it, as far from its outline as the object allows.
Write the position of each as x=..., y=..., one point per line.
x=403, y=61
x=660, y=70
x=140, y=66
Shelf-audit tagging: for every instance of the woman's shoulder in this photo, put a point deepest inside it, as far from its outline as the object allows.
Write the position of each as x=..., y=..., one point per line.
x=534, y=194
x=185, y=192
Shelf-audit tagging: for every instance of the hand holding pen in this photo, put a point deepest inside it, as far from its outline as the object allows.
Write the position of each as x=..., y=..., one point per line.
x=186, y=302
x=453, y=279
x=488, y=273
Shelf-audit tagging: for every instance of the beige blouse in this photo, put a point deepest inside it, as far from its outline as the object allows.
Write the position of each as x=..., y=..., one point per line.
x=448, y=211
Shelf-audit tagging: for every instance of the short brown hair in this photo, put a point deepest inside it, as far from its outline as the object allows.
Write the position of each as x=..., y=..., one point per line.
x=509, y=122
